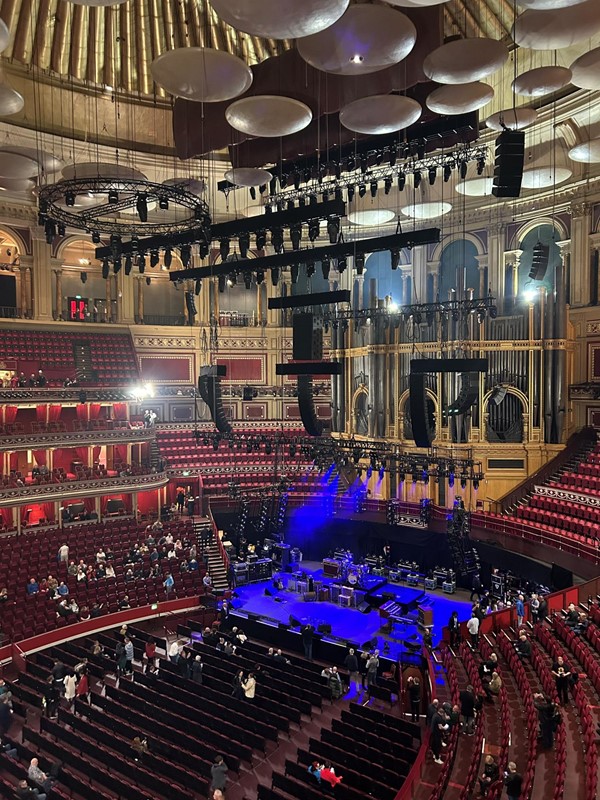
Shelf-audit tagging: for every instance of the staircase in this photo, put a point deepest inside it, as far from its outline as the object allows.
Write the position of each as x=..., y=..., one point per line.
x=206, y=543
x=155, y=456
x=82, y=355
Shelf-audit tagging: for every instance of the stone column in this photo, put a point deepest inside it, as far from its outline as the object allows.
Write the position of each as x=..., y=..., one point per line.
x=496, y=239
x=512, y=259
x=406, y=299
x=580, y=275
x=594, y=262
x=29, y=292
x=418, y=269
x=435, y=282
x=360, y=282
x=57, y=293
x=127, y=287
x=482, y=263
x=108, y=317
x=42, y=277
x=118, y=279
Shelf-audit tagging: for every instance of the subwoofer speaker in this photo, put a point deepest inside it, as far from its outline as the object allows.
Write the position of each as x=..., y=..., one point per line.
x=423, y=433
x=508, y=166
x=209, y=388
x=306, y=405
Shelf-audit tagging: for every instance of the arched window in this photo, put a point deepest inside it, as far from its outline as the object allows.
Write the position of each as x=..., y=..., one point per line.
x=456, y=255
x=505, y=417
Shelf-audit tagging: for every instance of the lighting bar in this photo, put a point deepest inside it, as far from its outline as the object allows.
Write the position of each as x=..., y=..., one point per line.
x=331, y=251
x=315, y=299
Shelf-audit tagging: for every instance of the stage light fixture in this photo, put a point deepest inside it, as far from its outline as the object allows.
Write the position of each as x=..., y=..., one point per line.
x=277, y=239
x=260, y=276
x=481, y=316
x=463, y=169
x=290, y=205
x=273, y=185
x=480, y=165
x=425, y=477
x=493, y=312
x=50, y=231
x=197, y=286
x=393, y=155
x=135, y=244
x=222, y=282
x=364, y=164
x=301, y=203
x=244, y=244
x=373, y=188
x=224, y=247
x=447, y=172
x=105, y=268
x=475, y=484
x=274, y=276
x=421, y=149
x=463, y=481
x=314, y=229
x=247, y=276
x=261, y=240
x=168, y=258
x=387, y=185
x=451, y=480
x=117, y=264
x=401, y=181
x=296, y=181
x=141, y=205
x=417, y=177
x=70, y=198
x=148, y=280
x=337, y=171
x=61, y=229
x=154, y=258
x=253, y=192
x=341, y=265
x=163, y=203
x=128, y=264
x=351, y=190
x=395, y=257
x=359, y=263
x=295, y=236
x=432, y=175
x=231, y=279
x=325, y=267
x=203, y=249
x=310, y=269
x=199, y=213
x=333, y=229
x=95, y=237
x=113, y=197
x=362, y=189
x=185, y=253
x=141, y=263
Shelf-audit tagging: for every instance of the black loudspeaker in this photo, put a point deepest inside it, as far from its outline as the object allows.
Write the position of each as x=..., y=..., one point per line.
x=209, y=389
x=469, y=391
x=364, y=607
x=306, y=405
x=294, y=623
x=248, y=393
x=498, y=395
x=539, y=261
x=307, y=342
x=324, y=628
x=309, y=368
x=190, y=304
x=268, y=593
x=423, y=433
x=508, y=166
x=431, y=365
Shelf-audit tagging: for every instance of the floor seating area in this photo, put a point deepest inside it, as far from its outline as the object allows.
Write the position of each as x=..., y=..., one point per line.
x=112, y=356
x=35, y=555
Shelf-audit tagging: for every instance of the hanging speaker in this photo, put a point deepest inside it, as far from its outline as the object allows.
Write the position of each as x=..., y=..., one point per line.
x=539, y=261
x=306, y=404
x=508, y=166
x=190, y=304
x=498, y=395
x=307, y=340
x=209, y=389
x=423, y=433
x=469, y=391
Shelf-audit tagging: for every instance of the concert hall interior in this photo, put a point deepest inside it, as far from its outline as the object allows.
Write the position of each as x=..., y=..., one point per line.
x=299, y=399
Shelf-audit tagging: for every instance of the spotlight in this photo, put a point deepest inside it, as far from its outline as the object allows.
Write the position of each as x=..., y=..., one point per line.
x=314, y=229
x=141, y=262
x=247, y=276
x=493, y=312
x=253, y=192
x=83, y=276
x=432, y=175
x=325, y=267
x=373, y=188
x=168, y=258
x=476, y=483
x=224, y=246
x=362, y=189
x=185, y=253
x=203, y=249
x=244, y=244
x=231, y=279
x=105, y=268
x=310, y=269
x=463, y=481
x=341, y=264
x=148, y=280
x=69, y=198
x=221, y=280
x=447, y=172
x=381, y=473
x=277, y=239
x=96, y=237
x=197, y=286
x=274, y=276
x=163, y=203
x=113, y=197
x=294, y=271
x=401, y=181
x=135, y=244
x=61, y=228
x=260, y=276
x=198, y=213
x=395, y=256
x=154, y=258
x=50, y=231
x=464, y=166
x=417, y=178
x=263, y=187
x=425, y=477
x=128, y=265
x=141, y=205
x=295, y=236
x=393, y=155
x=117, y=265
x=351, y=191
x=379, y=158
x=359, y=263
x=480, y=165
x=333, y=229
x=451, y=480
x=261, y=240
x=481, y=315
x=387, y=185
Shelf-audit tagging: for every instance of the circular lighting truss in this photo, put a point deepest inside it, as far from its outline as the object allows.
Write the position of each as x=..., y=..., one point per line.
x=107, y=198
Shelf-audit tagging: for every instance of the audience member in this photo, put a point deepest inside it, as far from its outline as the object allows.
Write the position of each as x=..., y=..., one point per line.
x=438, y=728
x=562, y=677
x=307, y=641
x=139, y=745
x=467, y=700
x=33, y=586
x=218, y=774
x=473, y=628
x=414, y=695
x=335, y=683
x=372, y=667
x=490, y=774
x=328, y=775
x=547, y=719
x=26, y=792
x=493, y=686
x=513, y=782
x=454, y=628
x=249, y=686
x=38, y=776
x=314, y=769
x=197, y=670
x=523, y=647
x=351, y=664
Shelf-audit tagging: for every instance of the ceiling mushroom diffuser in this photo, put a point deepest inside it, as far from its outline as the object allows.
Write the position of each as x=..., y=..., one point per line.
x=280, y=19
x=366, y=39
x=586, y=70
x=557, y=28
x=201, y=74
x=541, y=81
x=515, y=119
x=460, y=98
x=586, y=152
x=248, y=176
x=548, y=5
x=465, y=60
x=268, y=115
x=380, y=114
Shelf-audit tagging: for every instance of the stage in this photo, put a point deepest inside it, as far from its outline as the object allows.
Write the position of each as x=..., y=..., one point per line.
x=350, y=623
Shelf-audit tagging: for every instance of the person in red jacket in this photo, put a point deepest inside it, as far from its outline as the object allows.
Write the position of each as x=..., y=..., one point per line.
x=83, y=688
x=328, y=774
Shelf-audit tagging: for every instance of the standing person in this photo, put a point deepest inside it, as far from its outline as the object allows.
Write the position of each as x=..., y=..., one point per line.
x=546, y=713
x=520, y=609
x=335, y=684
x=351, y=664
x=120, y=658
x=51, y=698
x=438, y=725
x=238, y=685
x=307, y=641
x=513, y=782
x=467, y=709
x=534, y=608
x=83, y=688
x=63, y=553
x=543, y=609
x=218, y=774
x=175, y=651
x=5, y=715
x=249, y=686
x=475, y=587
x=149, y=652
x=414, y=695
x=562, y=677
x=180, y=500
x=473, y=628
x=454, y=627
x=197, y=670
x=168, y=583
x=372, y=667
x=70, y=687
x=128, y=655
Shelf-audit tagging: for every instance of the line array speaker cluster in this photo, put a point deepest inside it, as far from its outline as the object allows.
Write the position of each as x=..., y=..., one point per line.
x=209, y=389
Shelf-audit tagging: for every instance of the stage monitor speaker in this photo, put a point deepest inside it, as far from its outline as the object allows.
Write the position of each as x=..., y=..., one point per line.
x=209, y=389
x=508, y=166
x=294, y=623
x=324, y=628
x=364, y=607
x=433, y=365
x=307, y=340
x=469, y=392
x=268, y=593
x=190, y=304
x=423, y=433
x=306, y=404
x=539, y=261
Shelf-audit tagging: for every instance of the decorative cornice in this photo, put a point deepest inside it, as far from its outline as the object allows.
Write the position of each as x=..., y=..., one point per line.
x=51, y=492
x=177, y=342
x=572, y=497
x=48, y=441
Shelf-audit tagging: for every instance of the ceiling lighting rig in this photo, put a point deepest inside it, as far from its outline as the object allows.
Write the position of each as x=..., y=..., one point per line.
x=361, y=175
x=418, y=313
x=123, y=210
